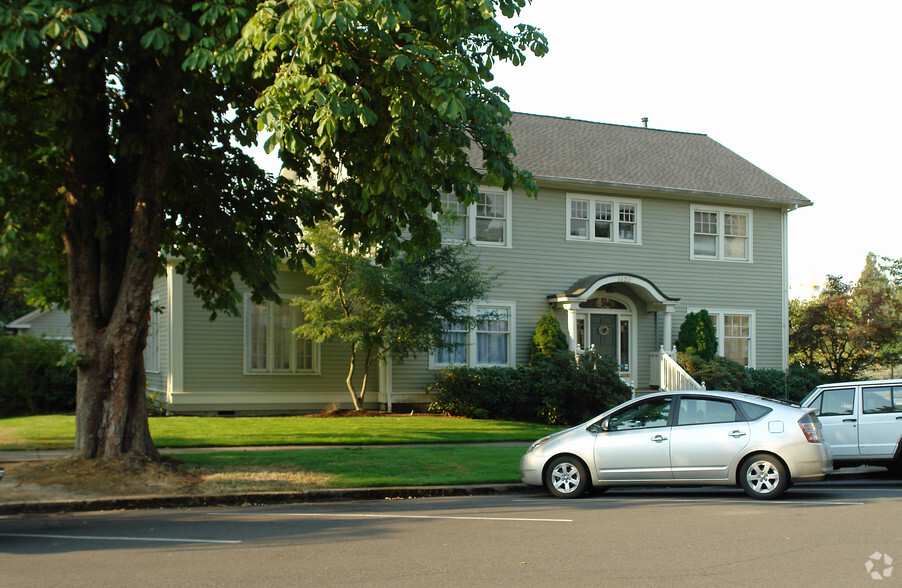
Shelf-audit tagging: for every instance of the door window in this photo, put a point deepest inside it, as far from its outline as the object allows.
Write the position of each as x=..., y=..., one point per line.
x=836, y=401
x=650, y=413
x=700, y=411
x=881, y=399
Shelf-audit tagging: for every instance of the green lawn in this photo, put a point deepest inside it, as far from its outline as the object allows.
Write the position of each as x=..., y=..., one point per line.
x=58, y=431
x=295, y=469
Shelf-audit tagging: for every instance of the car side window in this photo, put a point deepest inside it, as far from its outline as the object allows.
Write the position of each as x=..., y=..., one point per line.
x=700, y=411
x=651, y=413
x=753, y=411
x=836, y=401
x=879, y=399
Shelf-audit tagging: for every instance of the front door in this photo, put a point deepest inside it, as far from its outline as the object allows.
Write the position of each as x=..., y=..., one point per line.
x=603, y=333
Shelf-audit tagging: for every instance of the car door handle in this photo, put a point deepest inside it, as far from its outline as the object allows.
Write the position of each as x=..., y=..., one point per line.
x=899, y=418
x=659, y=438
x=849, y=420
x=737, y=434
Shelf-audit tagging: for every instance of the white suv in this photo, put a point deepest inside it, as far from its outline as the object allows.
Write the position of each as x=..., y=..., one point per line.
x=862, y=421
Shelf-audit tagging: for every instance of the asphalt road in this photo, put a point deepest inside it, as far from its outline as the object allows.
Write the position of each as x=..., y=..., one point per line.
x=817, y=535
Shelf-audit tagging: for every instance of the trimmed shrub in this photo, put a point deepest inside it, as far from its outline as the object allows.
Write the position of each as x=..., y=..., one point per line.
x=723, y=374
x=569, y=389
x=548, y=339
x=480, y=393
x=37, y=376
x=718, y=373
x=697, y=335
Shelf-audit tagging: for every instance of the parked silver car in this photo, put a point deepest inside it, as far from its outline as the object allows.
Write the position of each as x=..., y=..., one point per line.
x=684, y=438
x=862, y=421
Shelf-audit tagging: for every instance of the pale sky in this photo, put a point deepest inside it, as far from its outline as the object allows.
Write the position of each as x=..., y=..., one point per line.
x=808, y=90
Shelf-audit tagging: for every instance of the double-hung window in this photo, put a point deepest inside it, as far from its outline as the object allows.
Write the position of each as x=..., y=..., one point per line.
x=485, y=222
x=735, y=331
x=271, y=346
x=598, y=218
x=489, y=343
x=721, y=234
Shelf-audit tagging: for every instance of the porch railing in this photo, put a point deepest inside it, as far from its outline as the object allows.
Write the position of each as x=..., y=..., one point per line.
x=670, y=375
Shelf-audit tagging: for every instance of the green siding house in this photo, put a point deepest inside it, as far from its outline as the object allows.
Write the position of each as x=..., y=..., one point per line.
x=632, y=228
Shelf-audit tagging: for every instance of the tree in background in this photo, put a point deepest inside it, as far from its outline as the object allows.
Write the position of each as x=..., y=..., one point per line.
x=387, y=311
x=848, y=327
x=697, y=335
x=120, y=129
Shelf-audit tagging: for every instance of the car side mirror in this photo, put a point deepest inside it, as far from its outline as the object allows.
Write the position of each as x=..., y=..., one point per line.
x=600, y=426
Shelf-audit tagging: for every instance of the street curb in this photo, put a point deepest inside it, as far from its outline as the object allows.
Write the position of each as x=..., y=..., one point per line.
x=261, y=498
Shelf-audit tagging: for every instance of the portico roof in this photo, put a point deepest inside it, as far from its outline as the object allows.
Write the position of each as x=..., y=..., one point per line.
x=581, y=290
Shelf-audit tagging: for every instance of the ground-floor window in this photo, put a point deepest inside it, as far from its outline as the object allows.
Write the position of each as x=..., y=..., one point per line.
x=271, y=347
x=152, y=349
x=490, y=343
x=735, y=331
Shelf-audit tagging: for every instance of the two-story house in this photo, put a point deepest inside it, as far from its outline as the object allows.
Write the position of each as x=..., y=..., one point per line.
x=632, y=228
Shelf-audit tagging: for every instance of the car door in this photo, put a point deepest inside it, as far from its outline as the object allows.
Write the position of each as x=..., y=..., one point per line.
x=880, y=423
x=837, y=412
x=634, y=444
x=706, y=437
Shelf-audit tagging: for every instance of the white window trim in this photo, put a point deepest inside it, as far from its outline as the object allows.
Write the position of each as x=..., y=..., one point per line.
x=314, y=371
x=615, y=214
x=471, y=221
x=693, y=208
x=717, y=314
x=153, y=338
x=471, y=339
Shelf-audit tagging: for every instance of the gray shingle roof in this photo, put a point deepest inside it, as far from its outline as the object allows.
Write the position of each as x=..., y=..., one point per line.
x=563, y=149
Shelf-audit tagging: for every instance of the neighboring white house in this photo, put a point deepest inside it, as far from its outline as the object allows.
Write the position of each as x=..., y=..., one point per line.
x=51, y=323
x=632, y=228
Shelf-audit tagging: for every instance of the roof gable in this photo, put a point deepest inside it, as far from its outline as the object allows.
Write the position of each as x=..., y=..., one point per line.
x=570, y=150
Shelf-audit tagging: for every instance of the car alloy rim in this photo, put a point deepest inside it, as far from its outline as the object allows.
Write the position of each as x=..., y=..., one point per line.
x=763, y=477
x=565, y=477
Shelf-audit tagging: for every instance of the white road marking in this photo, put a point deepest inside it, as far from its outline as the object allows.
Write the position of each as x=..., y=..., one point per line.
x=98, y=538
x=393, y=516
x=708, y=500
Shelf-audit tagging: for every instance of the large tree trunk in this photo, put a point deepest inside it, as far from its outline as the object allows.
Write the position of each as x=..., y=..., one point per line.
x=112, y=238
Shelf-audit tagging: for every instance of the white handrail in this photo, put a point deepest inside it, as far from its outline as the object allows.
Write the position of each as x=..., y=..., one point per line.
x=674, y=377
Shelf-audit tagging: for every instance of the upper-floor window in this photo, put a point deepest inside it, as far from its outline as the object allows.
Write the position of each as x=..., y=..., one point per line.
x=486, y=222
x=271, y=347
x=721, y=233
x=490, y=343
x=601, y=218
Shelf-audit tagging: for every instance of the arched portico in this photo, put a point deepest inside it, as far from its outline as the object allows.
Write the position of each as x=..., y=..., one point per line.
x=592, y=301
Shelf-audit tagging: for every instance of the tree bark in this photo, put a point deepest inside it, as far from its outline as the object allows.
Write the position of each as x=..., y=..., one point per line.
x=112, y=238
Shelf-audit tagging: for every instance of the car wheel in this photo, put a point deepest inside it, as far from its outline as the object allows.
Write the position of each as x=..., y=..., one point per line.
x=566, y=477
x=763, y=476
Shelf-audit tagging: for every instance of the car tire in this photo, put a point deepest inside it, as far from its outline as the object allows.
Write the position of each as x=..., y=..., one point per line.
x=763, y=476
x=566, y=477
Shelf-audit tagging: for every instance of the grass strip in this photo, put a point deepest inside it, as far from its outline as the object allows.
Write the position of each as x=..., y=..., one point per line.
x=245, y=471
x=58, y=431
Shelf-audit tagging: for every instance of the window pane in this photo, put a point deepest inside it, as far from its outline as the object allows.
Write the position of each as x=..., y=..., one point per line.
x=492, y=336
x=490, y=218
x=876, y=400
x=626, y=226
x=303, y=347
x=455, y=335
x=257, y=337
x=579, y=218
x=700, y=411
x=651, y=413
x=736, y=337
x=837, y=402
x=624, y=346
x=705, y=233
x=603, y=220
x=281, y=337
x=454, y=223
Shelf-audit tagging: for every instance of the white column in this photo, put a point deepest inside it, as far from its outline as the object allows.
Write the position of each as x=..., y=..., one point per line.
x=571, y=324
x=668, y=327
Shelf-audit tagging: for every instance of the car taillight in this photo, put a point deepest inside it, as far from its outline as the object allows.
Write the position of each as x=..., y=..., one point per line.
x=811, y=427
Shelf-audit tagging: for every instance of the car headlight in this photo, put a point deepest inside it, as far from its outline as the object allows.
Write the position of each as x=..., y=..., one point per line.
x=538, y=443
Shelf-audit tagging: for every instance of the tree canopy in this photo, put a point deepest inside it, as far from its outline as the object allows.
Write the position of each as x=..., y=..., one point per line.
x=121, y=129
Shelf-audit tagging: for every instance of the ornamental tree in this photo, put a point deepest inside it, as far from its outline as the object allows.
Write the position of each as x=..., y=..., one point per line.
x=122, y=126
